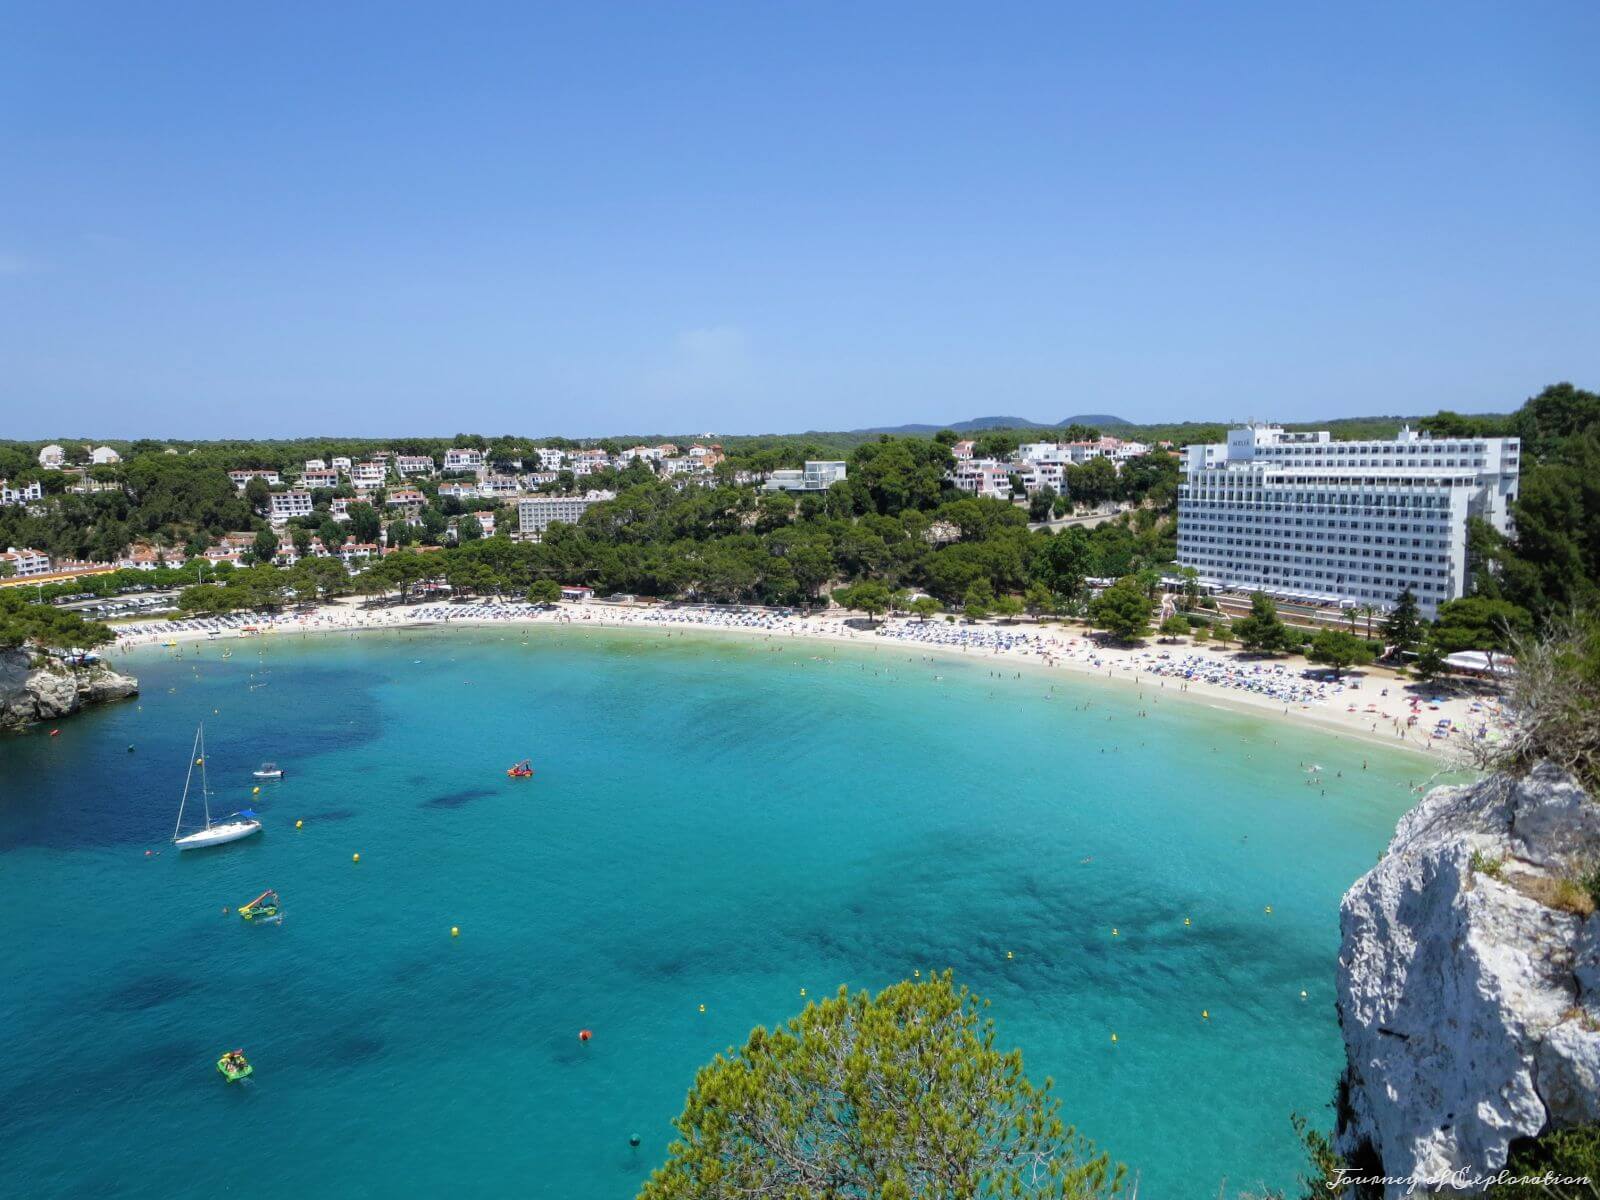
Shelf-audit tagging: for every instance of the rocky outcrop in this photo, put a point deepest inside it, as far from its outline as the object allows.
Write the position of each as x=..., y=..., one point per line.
x=34, y=691
x=1469, y=987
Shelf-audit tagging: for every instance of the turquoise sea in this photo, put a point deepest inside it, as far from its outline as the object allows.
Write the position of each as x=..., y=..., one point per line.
x=714, y=821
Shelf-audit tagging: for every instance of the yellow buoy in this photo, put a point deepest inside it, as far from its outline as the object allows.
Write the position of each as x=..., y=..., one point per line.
x=455, y=931
x=255, y=791
x=916, y=974
x=802, y=991
x=1269, y=908
x=1113, y=1037
x=1205, y=1014
x=1186, y=920
x=1302, y=994
x=702, y=1008
x=297, y=824
x=1009, y=954
x=198, y=761
x=1114, y=932
x=355, y=858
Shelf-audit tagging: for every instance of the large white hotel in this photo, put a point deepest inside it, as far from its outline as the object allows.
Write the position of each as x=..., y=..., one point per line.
x=1300, y=516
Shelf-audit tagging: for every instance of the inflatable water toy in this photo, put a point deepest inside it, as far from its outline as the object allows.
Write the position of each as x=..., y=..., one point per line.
x=234, y=1066
x=264, y=905
x=523, y=770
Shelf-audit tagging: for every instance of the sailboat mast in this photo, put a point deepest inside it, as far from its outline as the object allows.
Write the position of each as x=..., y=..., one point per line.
x=187, y=777
x=205, y=793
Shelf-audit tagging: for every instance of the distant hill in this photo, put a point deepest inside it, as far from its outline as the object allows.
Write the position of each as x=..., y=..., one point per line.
x=1098, y=420
x=979, y=424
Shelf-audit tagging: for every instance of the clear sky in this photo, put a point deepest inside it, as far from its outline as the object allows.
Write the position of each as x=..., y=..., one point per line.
x=286, y=218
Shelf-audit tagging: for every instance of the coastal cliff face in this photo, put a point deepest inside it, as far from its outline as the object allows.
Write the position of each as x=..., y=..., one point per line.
x=1469, y=1004
x=31, y=693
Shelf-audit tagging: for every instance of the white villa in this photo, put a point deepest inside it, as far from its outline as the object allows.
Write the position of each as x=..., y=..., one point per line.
x=22, y=493
x=813, y=477
x=242, y=478
x=26, y=563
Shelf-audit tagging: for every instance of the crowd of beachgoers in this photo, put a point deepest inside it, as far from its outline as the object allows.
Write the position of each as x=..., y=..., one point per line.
x=1371, y=703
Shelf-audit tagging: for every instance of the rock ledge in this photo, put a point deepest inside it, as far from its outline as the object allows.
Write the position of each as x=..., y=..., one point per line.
x=30, y=692
x=1470, y=1010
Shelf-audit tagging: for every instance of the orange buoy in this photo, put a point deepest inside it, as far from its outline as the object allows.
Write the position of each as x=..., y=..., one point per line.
x=585, y=1034
x=55, y=733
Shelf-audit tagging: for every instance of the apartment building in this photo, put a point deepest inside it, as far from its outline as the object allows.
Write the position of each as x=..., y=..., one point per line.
x=293, y=503
x=25, y=563
x=535, y=514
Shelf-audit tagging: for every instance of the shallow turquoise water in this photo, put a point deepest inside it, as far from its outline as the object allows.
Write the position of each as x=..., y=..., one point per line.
x=714, y=821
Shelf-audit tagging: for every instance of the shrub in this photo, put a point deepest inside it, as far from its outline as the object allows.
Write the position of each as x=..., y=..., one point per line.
x=1571, y=896
x=1564, y=894
x=1555, y=694
x=1571, y=1153
x=1482, y=864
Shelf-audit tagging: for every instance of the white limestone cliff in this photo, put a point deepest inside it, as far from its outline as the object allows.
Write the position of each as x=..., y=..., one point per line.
x=1470, y=1006
x=31, y=691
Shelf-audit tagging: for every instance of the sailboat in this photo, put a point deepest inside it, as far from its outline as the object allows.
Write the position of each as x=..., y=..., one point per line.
x=230, y=828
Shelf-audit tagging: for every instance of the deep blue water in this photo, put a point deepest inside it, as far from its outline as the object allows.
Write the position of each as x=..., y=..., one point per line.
x=713, y=822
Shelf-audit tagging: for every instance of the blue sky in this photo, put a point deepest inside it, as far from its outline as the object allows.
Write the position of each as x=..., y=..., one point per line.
x=255, y=220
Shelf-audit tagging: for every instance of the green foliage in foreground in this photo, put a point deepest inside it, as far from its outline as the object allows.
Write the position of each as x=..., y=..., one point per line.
x=1571, y=1153
x=885, y=1097
x=1555, y=692
x=22, y=621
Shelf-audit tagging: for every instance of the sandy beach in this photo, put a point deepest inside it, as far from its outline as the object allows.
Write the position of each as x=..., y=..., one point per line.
x=1371, y=704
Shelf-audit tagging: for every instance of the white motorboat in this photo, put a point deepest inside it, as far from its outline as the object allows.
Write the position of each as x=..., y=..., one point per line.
x=268, y=770
x=230, y=829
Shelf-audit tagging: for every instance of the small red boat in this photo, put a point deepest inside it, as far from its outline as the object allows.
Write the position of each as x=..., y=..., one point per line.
x=523, y=770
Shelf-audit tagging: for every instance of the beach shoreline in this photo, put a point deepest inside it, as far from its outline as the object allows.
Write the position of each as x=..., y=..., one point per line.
x=1370, y=707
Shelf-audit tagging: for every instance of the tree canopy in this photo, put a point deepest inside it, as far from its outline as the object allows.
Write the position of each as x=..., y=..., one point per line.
x=896, y=1096
x=1263, y=631
x=24, y=622
x=1123, y=610
x=1339, y=649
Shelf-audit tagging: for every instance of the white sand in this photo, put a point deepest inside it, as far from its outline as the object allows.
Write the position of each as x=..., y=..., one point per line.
x=1372, y=704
